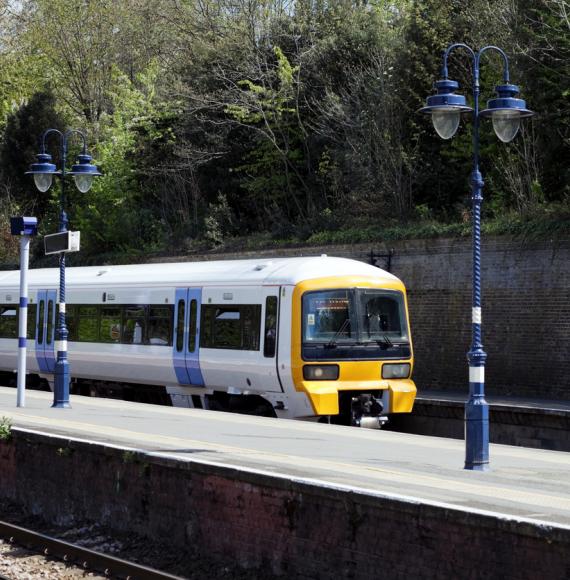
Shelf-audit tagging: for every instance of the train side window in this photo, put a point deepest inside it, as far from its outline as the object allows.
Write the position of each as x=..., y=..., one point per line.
x=41, y=322
x=251, y=326
x=232, y=327
x=110, y=325
x=71, y=321
x=160, y=326
x=222, y=328
x=50, y=316
x=31, y=330
x=134, y=324
x=9, y=321
x=193, y=325
x=270, y=327
x=88, y=323
x=180, y=326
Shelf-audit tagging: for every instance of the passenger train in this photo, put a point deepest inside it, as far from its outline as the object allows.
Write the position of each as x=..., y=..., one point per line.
x=301, y=338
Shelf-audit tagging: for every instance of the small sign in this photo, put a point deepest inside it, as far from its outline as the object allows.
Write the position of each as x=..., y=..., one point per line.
x=24, y=226
x=61, y=242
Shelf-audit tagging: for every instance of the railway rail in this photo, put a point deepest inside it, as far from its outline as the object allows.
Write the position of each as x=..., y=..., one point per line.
x=71, y=553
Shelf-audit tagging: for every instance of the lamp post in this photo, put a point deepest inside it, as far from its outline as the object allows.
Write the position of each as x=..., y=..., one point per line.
x=83, y=172
x=506, y=111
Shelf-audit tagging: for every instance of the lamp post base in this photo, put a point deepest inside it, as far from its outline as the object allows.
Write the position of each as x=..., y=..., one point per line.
x=61, y=385
x=477, y=434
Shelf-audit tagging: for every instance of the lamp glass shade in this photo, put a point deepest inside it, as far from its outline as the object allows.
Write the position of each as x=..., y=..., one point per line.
x=446, y=122
x=43, y=181
x=83, y=181
x=506, y=124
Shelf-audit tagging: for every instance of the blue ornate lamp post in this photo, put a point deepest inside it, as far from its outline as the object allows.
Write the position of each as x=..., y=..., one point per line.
x=506, y=111
x=83, y=172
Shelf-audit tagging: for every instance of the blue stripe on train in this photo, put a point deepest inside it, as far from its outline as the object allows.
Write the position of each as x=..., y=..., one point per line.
x=193, y=358
x=181, y=372
x=40, y=350
x=187, y=364
x=45, y=354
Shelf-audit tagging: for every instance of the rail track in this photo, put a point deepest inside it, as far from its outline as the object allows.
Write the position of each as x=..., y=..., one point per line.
x=84, y=557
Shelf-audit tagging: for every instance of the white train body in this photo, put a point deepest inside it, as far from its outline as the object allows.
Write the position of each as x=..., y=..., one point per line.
x=235, y=327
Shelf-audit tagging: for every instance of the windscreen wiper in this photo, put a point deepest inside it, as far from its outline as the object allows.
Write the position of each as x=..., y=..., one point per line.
x=384, y=341
x=332, y=342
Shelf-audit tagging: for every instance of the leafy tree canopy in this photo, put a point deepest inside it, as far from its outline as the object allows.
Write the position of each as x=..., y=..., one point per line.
x=215, y=119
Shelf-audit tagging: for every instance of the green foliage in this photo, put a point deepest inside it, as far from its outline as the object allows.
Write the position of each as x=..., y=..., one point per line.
x=21, y=144
x=64, y=451
x=130, y=457
x=9, y=244
x=546, y=77
x=219, y=222
x=5, y=429
x=274, y=165
x=281, y=121
x=109, y=216
x=20, y=67
x=18, y=82
x=553, y=225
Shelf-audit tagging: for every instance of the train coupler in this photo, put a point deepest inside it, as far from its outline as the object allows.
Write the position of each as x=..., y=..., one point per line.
x=366, y=411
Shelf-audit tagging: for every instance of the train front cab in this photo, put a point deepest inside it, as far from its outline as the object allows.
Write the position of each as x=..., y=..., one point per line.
x=351, y=348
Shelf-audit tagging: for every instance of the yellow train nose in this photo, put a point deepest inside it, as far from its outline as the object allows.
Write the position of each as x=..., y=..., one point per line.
x=324, y=395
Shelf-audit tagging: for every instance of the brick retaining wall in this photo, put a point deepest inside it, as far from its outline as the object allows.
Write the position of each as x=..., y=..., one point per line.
x=280, y=527
x=541, y=428
x=526, y=309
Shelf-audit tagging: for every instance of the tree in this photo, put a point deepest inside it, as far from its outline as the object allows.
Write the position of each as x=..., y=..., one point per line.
x=21, y=144
x=111, y=213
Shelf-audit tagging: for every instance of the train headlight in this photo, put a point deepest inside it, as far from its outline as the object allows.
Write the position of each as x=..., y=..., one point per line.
x=398, y=371
x=320, y=372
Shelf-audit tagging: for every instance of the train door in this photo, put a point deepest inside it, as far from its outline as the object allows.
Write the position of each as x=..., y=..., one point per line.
x=45, y=330
x=268, y=361
x=186, y=352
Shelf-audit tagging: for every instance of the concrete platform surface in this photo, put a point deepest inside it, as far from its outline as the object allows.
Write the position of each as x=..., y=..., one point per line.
x=524, y=484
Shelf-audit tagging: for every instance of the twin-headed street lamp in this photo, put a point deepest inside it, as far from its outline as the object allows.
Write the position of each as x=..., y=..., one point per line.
x=83, y=172
x=506, y=111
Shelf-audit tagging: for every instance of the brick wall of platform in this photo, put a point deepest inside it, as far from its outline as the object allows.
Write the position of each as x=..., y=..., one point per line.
x=526, y=309
x=276, y=528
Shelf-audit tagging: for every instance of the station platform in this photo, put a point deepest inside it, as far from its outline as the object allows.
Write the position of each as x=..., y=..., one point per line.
x=288, y=495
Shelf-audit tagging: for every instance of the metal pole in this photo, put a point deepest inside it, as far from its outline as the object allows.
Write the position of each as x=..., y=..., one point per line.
x=61, y=377
x=23, y=320
x=476, y=408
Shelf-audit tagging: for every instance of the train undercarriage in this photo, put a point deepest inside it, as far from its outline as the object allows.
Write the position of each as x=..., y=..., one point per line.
x=356, y=409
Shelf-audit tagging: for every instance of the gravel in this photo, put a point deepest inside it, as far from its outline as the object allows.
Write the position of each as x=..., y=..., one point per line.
x=17, y=563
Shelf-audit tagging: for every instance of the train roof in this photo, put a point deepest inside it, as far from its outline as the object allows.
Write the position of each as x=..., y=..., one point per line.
x=277, y=271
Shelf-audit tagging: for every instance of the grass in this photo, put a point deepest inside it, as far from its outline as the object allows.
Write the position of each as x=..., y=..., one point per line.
x=539, y=227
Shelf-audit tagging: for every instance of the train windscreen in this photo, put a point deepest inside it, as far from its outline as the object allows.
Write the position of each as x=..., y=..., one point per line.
x=354, y=324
